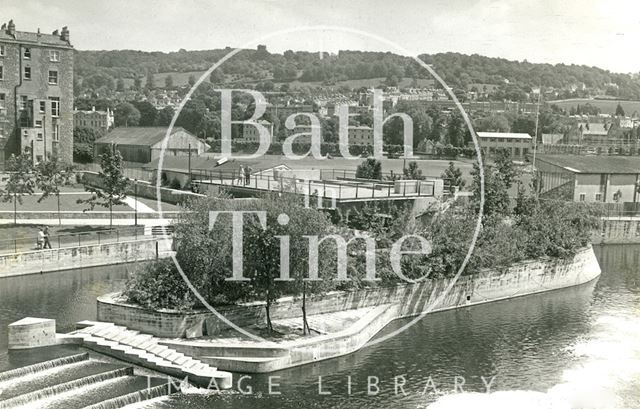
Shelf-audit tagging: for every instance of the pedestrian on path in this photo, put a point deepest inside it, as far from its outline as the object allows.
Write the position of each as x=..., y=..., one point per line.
x=241, y=175
x=247, y=175
x=40, y=239
x=47, y=243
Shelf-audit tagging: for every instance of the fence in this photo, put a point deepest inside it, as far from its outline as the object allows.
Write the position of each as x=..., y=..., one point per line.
x=339, y=189
x=64, y=240
x=130, y=172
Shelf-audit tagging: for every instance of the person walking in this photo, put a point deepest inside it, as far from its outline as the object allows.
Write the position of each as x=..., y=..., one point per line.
x=241, y=175
x=47, y=243
x=40, y=239
x=247, y=175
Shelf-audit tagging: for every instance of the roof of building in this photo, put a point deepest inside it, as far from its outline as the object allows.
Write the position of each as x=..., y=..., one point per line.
x=145, y=136
x=594, y=163
x=34, y=38
x=504, y=135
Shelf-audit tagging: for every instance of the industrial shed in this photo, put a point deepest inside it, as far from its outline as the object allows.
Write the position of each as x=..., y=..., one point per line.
x=144, y=144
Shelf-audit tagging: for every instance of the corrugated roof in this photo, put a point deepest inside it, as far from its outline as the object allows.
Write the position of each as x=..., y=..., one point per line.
x=146, y=136
x=504, y=135
x=594, y=164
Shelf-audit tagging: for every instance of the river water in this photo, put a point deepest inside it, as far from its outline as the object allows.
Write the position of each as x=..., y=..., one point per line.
x=577, y=348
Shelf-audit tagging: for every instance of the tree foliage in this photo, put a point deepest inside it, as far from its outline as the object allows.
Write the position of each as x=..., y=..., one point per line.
x=369, y=169
x=114, y=184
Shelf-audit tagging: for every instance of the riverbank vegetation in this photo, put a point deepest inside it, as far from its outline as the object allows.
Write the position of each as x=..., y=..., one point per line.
x=507, y=233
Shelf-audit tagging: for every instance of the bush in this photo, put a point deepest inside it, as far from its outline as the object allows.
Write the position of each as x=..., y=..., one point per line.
x=175, y=184
x=159, y=285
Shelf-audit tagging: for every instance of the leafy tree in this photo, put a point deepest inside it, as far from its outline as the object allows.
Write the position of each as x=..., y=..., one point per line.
x=263, y=245
x=51, y=175
x=453, y=175
x=114, y=184
x=164, y=117
x=412, y=171
x=147, y=111
x=369, y=169
x=120, y=85
x=83, y=144
x=456, y=130
x=192, y=80
x=619, y=110
x=168, y=82
x=150, y=83
x=504, y=167
x=496, y=197
x=492, y=123
x=20, y=182
x=217, y=76
x=126, y=115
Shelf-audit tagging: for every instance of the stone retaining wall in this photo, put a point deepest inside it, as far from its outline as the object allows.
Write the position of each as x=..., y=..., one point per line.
x=412, y=299
x=39, y=261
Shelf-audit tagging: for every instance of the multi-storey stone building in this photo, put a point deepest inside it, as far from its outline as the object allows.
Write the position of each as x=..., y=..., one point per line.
x=100, y=121
x=36, y=94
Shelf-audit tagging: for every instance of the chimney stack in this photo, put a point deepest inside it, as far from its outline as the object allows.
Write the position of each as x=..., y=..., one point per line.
x=11, y=29
x=65, y=34
x=56, y=33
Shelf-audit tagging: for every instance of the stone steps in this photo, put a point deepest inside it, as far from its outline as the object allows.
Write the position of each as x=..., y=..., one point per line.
x=144, y=350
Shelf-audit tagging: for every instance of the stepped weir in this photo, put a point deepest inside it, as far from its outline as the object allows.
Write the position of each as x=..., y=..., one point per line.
x=78, y=381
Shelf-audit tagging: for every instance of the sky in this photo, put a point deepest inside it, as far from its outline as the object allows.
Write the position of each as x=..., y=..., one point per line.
x=602, y=33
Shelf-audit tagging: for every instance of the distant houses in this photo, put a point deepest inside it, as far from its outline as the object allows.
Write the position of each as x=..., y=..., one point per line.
x=518, y=144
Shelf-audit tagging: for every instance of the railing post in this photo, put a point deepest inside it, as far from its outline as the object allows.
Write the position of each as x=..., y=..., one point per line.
x=357, y=185
x=373, y=190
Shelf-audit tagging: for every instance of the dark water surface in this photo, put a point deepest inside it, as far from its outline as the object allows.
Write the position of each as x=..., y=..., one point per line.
x=576, y=348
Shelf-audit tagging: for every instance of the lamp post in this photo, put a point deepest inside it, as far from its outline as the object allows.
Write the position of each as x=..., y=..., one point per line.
x=135, y=202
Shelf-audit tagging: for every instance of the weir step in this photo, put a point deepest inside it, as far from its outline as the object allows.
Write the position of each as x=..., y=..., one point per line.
x=144, y=349
x=43, y=366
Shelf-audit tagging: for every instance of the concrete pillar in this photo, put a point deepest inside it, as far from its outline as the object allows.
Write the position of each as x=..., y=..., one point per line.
x=32, y=333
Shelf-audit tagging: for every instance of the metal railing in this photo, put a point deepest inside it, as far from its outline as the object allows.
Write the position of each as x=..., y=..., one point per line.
x=338, y=189
x=74, y=239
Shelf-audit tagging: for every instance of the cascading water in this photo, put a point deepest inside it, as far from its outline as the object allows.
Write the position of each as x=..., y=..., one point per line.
x=43, y=366
x=51, y=391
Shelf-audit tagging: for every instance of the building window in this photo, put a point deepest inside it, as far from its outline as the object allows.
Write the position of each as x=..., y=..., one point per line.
x=3, y=100
x=1, y=50
x=55, y=106
x=583, y=197
x=27, y=73
x=53, y=77
x=26, y=53
x=43, y=107
x=1, y=72
x=54, y=56
x=23, y=102
x=598, y=197
x=38, y=123
x=56, y=132
x=39, y=136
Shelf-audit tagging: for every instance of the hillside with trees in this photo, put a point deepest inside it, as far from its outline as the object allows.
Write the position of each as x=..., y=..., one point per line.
x=118, y=70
